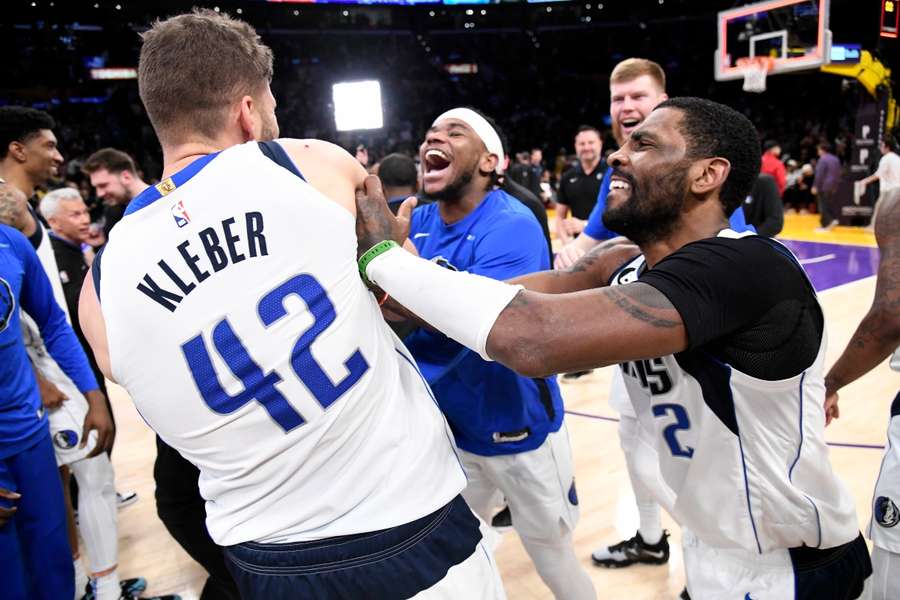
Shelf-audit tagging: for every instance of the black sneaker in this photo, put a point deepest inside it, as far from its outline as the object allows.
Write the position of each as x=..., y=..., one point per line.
x=684, y=595
x=130, y=590
x=633, y=551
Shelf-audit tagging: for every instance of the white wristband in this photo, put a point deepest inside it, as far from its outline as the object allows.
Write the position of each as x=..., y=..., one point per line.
x=461, y=305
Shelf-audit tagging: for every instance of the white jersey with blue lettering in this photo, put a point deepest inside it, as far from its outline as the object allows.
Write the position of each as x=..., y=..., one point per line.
x=744, y=460
x=238, y=323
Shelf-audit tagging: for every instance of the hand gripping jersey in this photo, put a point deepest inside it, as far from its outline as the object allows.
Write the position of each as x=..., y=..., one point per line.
x=238, y=323
x=744, y=459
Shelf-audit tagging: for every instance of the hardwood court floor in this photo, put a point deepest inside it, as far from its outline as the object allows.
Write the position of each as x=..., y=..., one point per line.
x=607, y=507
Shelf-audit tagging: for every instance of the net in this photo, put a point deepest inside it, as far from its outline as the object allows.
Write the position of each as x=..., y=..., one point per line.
x=755, y=69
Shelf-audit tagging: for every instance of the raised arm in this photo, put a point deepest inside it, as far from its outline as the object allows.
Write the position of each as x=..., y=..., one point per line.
x=879, y=332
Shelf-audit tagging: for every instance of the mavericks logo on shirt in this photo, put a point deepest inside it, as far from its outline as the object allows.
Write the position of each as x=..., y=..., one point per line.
x=65, y=439
x=7, y=304
x=886, y=513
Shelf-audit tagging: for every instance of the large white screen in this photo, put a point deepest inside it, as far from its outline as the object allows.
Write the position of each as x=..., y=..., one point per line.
x=357, y=105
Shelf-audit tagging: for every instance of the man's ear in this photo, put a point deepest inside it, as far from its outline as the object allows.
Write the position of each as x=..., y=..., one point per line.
x=16, y=149
x=246, y=118
x=488, y=163
x=708, y=175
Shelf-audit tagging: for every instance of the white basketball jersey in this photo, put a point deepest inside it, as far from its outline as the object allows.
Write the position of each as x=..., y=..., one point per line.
x=744, y=460
x=884, y=525
x=238, y=323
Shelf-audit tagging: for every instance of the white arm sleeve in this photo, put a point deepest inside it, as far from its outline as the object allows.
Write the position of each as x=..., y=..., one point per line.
x=461, y=305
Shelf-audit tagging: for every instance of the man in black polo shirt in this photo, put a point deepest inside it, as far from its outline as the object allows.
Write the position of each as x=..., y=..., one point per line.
x=579, y=186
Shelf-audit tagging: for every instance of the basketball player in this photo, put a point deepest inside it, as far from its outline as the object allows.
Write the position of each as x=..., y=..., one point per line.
x=723, y=343
x=116, y=182
x=68, y=217
x=37, y=557
x=636, y=86
x=29, y=157
x=877, y=336
x=509, y=428
x=240, y=328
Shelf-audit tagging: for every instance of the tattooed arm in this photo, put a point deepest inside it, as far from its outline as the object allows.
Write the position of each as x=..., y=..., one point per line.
x=593, y=270
x=539, y=334
x=879, y=332
x=14, y=210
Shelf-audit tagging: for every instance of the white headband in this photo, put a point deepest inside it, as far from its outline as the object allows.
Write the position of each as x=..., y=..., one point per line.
x=482, y=129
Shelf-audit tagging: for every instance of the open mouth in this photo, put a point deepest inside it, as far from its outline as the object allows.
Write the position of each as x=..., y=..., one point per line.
x=436, y=163
x=436, y=160
x=630, y=123
x=620, y=182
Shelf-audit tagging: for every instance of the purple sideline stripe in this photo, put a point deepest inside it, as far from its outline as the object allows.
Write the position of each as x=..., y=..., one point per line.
x=834, y=444
x=831, y=265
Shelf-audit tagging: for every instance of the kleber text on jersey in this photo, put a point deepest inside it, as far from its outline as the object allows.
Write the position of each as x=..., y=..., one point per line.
x=193, y=261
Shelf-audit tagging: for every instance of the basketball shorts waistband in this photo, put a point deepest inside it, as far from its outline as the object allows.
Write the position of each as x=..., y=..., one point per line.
x=398, y=562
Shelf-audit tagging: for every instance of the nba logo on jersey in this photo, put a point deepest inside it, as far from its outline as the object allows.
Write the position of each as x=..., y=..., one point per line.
x=180, y=214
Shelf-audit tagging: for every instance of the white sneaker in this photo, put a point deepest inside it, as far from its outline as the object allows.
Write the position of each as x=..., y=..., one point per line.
x=124, y=499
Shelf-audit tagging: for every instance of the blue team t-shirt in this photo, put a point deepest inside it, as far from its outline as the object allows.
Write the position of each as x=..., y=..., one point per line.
x=597, y=230
x=491, y=409
x=24, y=284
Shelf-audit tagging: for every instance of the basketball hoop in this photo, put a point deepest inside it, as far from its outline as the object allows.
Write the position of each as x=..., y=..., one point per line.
x=755, y=69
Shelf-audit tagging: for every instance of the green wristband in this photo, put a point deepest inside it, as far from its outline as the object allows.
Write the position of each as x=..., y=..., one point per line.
x=370, y=254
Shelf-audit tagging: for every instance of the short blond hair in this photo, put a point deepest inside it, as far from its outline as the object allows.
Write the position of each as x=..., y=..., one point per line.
x=632, y=68
x=193, y=66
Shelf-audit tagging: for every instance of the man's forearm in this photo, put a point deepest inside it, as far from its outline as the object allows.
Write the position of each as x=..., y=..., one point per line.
x=461, y=305
x=877, y=336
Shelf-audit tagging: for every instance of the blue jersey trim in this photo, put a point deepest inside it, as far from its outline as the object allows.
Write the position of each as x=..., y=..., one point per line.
x=818, y=520
x=277, y=154
x=800, y=445
x=154, y=193
x=95, y=272
x=747, y=491
x=415, y=367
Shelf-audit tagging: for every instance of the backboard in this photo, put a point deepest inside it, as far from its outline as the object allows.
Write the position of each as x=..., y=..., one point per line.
x=794, y=33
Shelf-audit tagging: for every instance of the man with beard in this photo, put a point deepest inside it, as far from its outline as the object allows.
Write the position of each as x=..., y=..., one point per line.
x=720, y=338
x=877, y=336
x=509, y=428
x=326, y=466
x=636, y=86
x=115, y=180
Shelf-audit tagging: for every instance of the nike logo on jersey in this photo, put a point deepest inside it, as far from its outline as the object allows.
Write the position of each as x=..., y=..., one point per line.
x=222, y=246
x=420, y=235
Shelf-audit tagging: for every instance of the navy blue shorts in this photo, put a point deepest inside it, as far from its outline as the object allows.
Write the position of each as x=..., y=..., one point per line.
x=390, y=564
x=833, y=574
